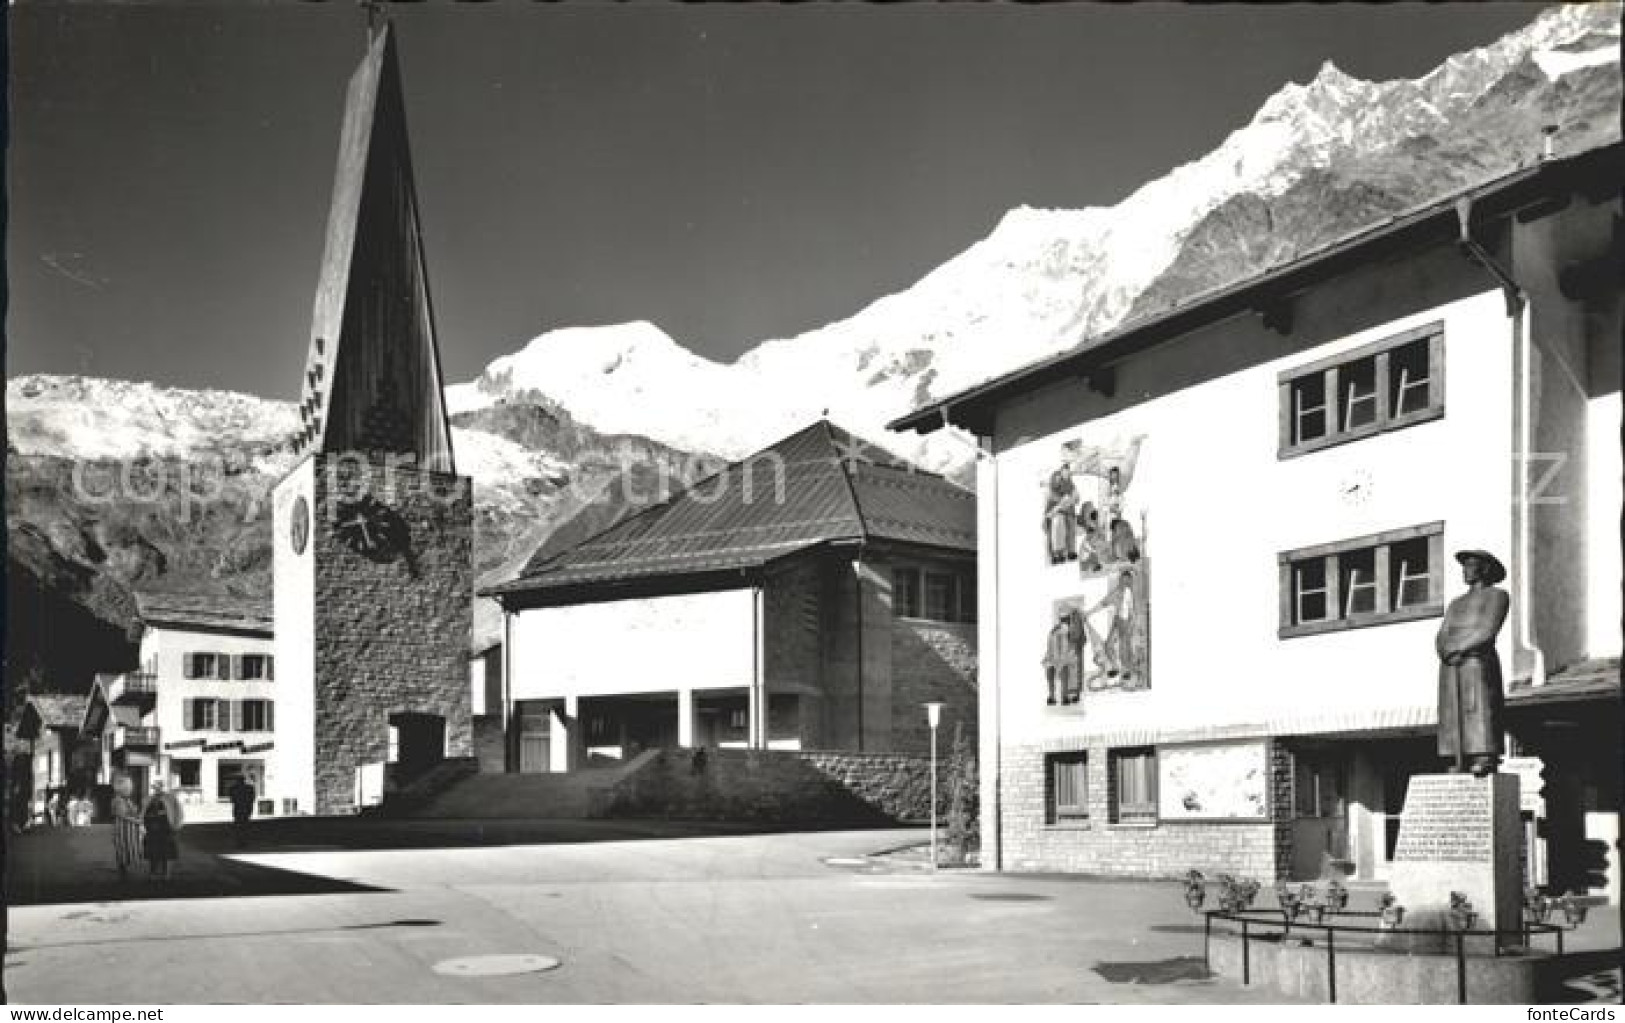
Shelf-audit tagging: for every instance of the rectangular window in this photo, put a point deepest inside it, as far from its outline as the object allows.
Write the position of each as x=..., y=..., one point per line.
x=1317, y=786
x=253, y=667
x=1066, y=781
x=1370, y=580
x=188, y=773
x=1135, y=786
x=967, y=598
x=200, y=715
x=199, y=665
x=1392, y=383
x=941, y=598
x=230, y=770
x=906, y=592
x=254, y=716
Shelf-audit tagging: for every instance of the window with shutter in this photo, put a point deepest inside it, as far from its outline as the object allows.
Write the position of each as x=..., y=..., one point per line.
x=1136, y=785
x=223, y=666
x=222, y=715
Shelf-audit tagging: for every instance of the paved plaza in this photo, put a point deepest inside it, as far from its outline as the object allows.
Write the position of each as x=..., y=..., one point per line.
x=634, y=912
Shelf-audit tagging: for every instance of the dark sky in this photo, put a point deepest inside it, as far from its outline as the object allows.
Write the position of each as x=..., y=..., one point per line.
x=731, y=173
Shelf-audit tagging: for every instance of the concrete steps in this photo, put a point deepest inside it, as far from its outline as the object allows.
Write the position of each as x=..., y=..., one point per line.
x=576, y=794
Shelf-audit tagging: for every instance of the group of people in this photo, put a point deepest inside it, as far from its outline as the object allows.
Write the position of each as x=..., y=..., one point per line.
x=64, y=809
x=145, y=830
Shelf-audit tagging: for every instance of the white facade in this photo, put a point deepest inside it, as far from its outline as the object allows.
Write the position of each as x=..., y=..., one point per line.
x=1222, y=506
x=294, y=605
x=1268, y=748
x=683, y=644
x=200, y=711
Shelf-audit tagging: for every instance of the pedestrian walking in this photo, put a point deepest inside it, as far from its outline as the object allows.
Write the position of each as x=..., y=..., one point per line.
x=126, y=826
x=162, y=819
x=242, y=808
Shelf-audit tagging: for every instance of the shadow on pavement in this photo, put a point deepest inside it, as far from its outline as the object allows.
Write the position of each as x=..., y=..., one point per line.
x=1161, y=971
x=76, y=865
x=12, y=951
x=335, y=834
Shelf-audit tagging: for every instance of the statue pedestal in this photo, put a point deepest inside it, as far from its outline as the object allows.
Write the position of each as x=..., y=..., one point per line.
x=1459, y=833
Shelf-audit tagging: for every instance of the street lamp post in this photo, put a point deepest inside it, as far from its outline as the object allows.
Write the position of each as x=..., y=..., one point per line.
x=933, y=715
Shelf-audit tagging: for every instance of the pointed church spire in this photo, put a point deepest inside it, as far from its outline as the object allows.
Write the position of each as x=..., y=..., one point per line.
x=373, y=376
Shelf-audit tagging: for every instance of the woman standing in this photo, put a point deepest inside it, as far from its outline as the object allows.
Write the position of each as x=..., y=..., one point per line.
x=126, y=826
x=162, y=819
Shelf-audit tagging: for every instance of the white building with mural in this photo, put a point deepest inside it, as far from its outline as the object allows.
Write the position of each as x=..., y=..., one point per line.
x=200, y=710
x=1216, y=544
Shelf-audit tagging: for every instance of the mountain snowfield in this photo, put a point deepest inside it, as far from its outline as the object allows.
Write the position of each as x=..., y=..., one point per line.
x=90, y=419
x=1042, y=281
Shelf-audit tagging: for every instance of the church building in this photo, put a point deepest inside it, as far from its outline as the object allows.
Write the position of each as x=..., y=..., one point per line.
x=373, y=525
x=813, y=596
x=1217, y=544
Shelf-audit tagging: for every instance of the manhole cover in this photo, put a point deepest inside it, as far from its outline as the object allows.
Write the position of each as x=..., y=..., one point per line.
x=495, y=966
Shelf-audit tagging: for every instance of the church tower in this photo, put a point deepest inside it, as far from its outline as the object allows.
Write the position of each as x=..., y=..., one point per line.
x=373, y=527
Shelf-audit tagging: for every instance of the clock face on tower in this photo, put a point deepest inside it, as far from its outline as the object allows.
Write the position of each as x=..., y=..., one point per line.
x=299, y=527
x=371, y=528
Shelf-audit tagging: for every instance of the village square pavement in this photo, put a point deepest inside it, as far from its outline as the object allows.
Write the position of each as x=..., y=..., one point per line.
x=630, y=915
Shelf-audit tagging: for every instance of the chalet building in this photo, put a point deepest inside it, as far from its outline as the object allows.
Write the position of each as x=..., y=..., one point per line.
x=199, y=712
x=57, y=758
x=812, y=596
x=1217, y=543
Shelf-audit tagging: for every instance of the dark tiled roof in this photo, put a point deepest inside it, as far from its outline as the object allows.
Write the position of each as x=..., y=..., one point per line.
x=819, y=485
x=1594, y=679
x=51, y=710
x=194, y=611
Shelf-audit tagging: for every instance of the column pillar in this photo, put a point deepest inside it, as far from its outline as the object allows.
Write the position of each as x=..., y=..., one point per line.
x=685, y=717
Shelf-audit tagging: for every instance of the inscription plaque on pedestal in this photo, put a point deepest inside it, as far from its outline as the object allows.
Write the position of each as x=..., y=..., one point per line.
x=1460, y=833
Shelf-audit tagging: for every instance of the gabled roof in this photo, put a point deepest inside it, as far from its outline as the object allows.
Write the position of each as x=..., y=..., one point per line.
x=1595, y=171
x=817, y=486
x=204, y=612
x=50, y=710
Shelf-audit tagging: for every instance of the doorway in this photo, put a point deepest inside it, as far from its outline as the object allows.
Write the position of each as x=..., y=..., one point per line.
x=535, y=736
x=1320, y=818
x=420, y=744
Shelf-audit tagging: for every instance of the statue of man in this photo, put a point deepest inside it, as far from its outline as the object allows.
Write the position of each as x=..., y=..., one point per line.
x=1470, y=696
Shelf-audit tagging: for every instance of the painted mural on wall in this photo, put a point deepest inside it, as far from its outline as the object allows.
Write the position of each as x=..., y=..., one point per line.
x=1228, y=782
x=1099, y=637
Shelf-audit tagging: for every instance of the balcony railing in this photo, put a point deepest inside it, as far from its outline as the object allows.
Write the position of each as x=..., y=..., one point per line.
x=133, y=688
x=133, y=737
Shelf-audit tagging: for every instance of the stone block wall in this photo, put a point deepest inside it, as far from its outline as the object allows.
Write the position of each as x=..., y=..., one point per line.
x=1033, y=840
x=391, y=631
x=778, y=786
x=932, y=661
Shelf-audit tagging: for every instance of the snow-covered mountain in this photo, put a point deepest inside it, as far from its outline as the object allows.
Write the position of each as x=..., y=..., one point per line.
x=1317, y=161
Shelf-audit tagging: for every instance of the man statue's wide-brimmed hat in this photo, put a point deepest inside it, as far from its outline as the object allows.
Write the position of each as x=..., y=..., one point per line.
x=1494, y=571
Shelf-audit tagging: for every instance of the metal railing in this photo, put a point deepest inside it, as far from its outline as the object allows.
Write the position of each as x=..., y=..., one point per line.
x=1267, y=918
x=120, y=687
x=132, y=735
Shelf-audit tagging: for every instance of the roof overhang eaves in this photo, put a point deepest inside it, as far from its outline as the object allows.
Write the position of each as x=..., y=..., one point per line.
x=974, y=407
